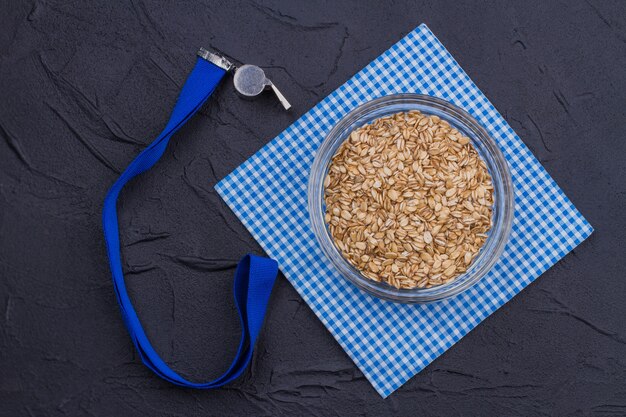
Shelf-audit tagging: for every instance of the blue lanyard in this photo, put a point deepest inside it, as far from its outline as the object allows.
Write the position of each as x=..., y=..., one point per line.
x=254, y=277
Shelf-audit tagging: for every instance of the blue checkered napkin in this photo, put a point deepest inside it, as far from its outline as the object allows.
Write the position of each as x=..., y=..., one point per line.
x=392, y=342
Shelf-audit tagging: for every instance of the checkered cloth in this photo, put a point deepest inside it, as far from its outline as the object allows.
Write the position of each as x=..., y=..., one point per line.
x=391, y=342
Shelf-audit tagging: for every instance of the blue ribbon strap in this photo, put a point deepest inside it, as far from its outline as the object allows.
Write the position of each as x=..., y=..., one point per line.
x=254, y=277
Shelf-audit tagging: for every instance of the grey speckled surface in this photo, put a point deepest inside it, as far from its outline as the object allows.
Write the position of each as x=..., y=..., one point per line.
x=84, y=85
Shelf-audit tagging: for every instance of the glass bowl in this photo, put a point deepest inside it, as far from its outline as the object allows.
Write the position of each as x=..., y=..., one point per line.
x=486, y=147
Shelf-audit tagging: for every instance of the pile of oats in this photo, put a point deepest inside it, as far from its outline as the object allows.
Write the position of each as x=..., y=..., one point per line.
x=408, y=200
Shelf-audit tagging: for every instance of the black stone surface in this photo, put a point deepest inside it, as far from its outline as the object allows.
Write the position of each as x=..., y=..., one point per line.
x=85, y=85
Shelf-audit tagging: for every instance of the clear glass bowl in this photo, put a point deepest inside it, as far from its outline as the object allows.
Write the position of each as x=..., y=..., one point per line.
x=487, y=148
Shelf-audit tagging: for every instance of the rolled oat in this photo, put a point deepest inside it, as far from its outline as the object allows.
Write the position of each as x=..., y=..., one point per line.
x=408, y=200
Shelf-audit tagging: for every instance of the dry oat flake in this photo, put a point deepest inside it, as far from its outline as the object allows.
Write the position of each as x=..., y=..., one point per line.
x=408, y=200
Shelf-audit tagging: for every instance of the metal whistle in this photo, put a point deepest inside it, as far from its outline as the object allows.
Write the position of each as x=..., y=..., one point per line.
x=249, y=80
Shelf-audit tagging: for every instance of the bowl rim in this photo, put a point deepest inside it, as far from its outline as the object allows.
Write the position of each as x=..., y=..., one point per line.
x=460, y=117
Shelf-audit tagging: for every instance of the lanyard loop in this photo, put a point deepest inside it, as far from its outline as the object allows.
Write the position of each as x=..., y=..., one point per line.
x=254, y=277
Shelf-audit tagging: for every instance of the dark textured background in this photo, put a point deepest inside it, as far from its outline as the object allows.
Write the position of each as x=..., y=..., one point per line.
x=85, y=85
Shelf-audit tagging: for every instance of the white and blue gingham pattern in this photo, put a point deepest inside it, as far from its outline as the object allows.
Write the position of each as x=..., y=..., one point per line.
x=392, y=342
